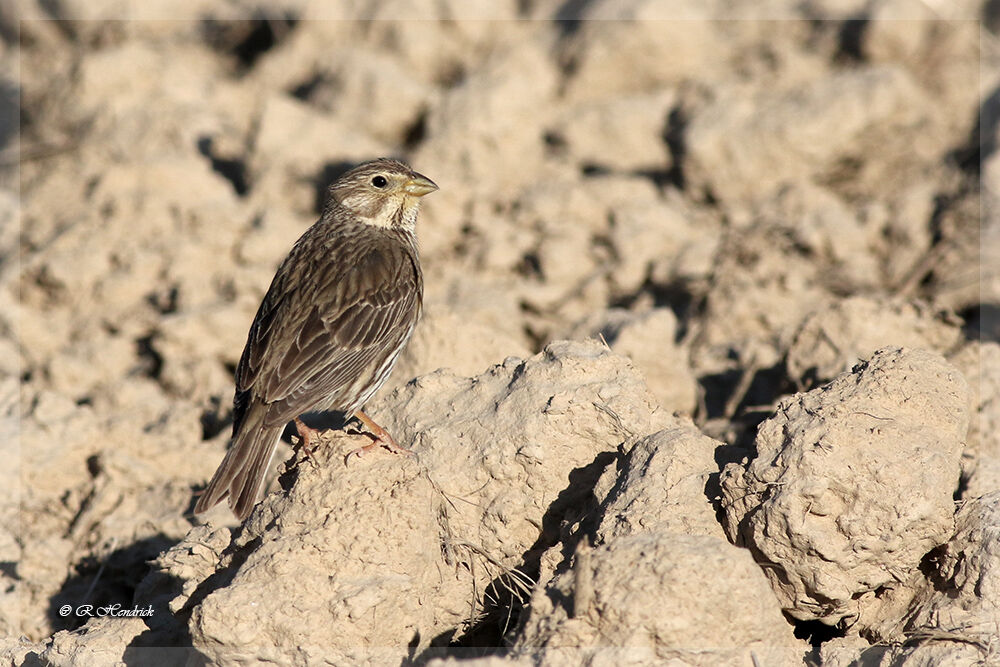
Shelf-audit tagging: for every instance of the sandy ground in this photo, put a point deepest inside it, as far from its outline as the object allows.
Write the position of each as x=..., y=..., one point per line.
x=708, y=373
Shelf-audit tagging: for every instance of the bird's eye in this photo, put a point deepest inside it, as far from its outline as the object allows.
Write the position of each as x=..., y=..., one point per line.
x=379, y=181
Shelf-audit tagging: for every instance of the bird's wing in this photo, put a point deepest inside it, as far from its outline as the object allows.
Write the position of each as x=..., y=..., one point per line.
x=311, y=342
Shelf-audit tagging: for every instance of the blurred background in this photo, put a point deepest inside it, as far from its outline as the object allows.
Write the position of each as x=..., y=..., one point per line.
x=744, y=198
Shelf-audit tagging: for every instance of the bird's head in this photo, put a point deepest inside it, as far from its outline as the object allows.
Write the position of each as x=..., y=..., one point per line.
x=384, y=193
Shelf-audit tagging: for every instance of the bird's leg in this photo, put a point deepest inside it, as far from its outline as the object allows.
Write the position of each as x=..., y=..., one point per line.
x=306, y=435
x=380, y=435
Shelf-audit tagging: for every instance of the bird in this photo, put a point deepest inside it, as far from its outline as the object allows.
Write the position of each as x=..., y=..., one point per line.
x=340, y=309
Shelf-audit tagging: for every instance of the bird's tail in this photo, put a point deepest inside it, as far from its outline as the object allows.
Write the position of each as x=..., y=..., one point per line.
x=242, y=472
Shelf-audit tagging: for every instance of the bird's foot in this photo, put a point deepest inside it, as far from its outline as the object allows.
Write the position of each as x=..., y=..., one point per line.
x=307, y=436
x=391, y=446
x=380, y=438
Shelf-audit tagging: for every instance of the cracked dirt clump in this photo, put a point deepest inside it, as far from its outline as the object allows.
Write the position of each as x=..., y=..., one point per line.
x=853, y=483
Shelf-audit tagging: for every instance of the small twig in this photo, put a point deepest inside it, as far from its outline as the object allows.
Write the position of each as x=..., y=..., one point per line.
x=932, y=634
x=908, y=285
x=100, y=571
x=606, y=409
x=742, y=387
x=868, y=414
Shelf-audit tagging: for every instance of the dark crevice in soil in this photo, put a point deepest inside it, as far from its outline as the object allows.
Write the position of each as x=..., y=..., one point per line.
x=94, y=466
x=555, y=143
x=963, y=486
x=217, y=418
x=451, y=75
x=991, y=15
x=568, y=15
x=537, y=340
x=248, y=40
x=440, y=649
x=416, y=132
x=304, y=90
x=717, y=387
x=942, y=204
x=8, y=568
x=150, y=361
x=931, y=569
x=678, y=296
x=815, y=632
x=765, y=386
x=591, y=170
x=164, y=300
x=10, y=95
x=167, y=639
x=221, y=577
x=262, y=38
x=102, y=582
x=524, y=8
x=723, y=455
x=575, y=506
x=673, y=137
x=768, y=385
x=661, y=178
x=982, y=140
x=233, y=170
x=982, y=322
x=148, y=649
x=851, y=41
x=58, y=14
x=530, y=266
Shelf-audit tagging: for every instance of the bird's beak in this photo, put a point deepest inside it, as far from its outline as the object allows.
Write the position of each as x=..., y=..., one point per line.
x=419, y=185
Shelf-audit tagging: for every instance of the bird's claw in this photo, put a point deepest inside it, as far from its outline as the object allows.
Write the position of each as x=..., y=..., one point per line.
x=388, y=444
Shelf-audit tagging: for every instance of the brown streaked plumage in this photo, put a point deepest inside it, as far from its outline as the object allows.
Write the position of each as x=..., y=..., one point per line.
x=340, y=309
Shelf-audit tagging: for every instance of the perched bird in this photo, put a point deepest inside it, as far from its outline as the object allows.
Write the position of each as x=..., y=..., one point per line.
x=339, y=311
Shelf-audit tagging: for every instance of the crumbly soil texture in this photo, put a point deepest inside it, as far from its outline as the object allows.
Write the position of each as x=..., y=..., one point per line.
x=708, y=371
